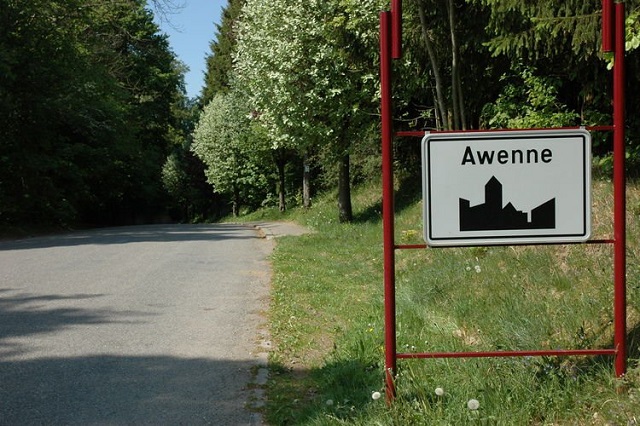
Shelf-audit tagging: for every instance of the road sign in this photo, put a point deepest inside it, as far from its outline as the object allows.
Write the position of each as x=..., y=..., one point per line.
x=507, y=187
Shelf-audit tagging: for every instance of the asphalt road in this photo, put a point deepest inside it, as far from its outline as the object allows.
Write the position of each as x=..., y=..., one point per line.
x=149, y=325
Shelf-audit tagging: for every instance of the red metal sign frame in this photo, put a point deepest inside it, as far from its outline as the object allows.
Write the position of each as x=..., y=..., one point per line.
x=613, y=40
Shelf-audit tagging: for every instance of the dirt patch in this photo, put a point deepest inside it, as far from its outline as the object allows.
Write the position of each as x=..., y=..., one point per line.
x=279, y=229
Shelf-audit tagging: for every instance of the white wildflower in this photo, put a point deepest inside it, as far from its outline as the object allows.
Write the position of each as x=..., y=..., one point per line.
x=376, y=396
x=439, y=391
x=478, y=269
x=473, y=404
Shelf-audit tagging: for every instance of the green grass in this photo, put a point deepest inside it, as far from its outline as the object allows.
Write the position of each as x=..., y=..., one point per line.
x=326, y=321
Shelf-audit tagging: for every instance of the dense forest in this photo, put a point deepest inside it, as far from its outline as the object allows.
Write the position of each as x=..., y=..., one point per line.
x=96, y=129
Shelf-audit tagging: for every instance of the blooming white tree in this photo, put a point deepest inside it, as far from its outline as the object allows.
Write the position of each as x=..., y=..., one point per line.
x=310, y=71
x=232, y=151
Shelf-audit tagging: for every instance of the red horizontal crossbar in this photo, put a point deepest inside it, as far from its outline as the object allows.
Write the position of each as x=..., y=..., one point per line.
x=420, y=133
x=559, y=352
x=424, y=246
x=410, y=246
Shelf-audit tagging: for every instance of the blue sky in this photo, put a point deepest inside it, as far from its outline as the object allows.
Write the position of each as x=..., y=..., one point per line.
x=191, y=28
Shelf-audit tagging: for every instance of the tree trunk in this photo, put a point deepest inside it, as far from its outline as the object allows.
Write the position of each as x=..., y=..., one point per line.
x=459, y=118
x=282, y=204
x=235, y=205
x=345, y=210
x=436, y=112
x=306, y=183
x=455, y=100
x=435, y=68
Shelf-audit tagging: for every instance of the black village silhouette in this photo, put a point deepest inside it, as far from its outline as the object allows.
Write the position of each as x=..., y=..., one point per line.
x=493, y=216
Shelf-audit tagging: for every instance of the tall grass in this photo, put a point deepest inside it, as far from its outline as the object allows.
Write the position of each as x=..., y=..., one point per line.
x=326, y=321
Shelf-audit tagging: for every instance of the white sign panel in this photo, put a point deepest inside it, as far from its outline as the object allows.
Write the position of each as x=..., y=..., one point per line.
x=507, y=187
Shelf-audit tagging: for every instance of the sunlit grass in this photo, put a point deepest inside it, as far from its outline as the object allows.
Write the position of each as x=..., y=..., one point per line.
x=326, y=322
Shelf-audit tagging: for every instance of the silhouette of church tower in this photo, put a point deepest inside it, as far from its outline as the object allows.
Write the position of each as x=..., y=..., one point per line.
x=493, y=195
x=492, y=215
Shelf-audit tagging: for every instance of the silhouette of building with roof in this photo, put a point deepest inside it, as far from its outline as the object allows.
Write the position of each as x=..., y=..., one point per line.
x=492, y=215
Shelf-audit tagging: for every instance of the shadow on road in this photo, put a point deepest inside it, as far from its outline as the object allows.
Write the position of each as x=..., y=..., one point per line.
x=109, y=389
x=136, y=234
x=25, y=314
x=120, y=390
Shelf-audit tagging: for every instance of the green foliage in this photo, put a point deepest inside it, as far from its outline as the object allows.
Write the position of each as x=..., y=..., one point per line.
x=218, y=74
x=308, y=70
x=91, y=97
x=183, y=174
x=633, y=30
x=632, y=35
x=86, y=95
x=175, y=178
x=544, y=28
x=293, y=63
x=233, y=150
x=528, y=101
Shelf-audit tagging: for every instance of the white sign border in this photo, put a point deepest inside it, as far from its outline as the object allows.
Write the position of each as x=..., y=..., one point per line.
x=488, y=240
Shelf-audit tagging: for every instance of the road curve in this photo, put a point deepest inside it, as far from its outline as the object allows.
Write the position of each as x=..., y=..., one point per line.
x=138, y=325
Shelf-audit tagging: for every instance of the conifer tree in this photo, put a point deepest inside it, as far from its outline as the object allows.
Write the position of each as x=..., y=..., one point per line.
x=220, y=59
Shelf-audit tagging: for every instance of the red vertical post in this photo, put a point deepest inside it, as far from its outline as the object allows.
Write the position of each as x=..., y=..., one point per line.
x=387, y=206
x=607, y=25
x=396, y=29
x=619, y=180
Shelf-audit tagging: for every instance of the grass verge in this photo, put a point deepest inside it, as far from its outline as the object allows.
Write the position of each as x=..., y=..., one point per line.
x=326, y=322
